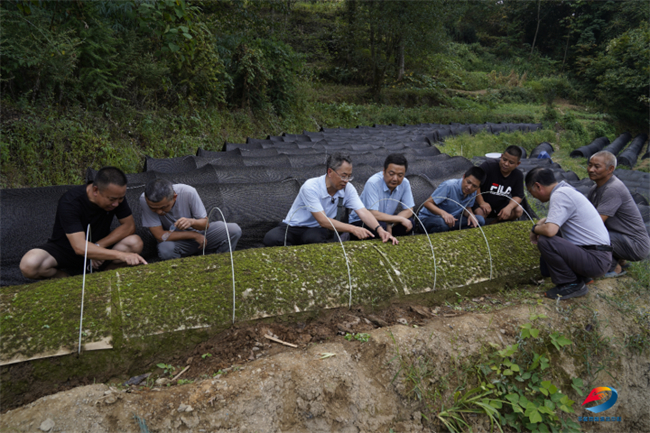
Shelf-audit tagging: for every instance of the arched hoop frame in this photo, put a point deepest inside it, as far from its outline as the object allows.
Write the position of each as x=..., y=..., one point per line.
x=511, y=199
x=459, y=227
x=435, y=271
x=345, y=254
x=232, y=263
x=83, y=287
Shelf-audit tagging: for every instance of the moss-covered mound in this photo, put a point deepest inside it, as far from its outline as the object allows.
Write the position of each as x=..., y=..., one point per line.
x=122, y=306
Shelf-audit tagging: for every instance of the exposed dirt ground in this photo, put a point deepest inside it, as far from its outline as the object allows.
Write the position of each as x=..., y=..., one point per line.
x=241, y=381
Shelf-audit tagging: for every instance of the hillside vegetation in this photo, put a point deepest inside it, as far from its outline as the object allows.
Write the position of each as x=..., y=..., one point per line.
x=88, y=84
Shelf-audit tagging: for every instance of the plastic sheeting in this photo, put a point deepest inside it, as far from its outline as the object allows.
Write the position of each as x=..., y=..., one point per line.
x=630, y=155
x=586, y=151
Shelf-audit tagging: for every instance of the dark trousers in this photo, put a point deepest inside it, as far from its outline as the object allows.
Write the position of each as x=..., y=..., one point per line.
x=398, y=229
x=296, y=235
x=565, y=262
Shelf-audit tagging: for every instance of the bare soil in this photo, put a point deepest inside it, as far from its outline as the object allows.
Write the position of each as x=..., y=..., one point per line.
x=249, y=383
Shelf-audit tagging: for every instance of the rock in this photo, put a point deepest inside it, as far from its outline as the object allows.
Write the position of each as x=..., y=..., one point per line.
x=162, y=381
x=189, y=361
x=182, y=407
x=402, y=321
x=377, y=321
x=190, y=421
x=47, y=425
x=503, y=331
x=110, y=399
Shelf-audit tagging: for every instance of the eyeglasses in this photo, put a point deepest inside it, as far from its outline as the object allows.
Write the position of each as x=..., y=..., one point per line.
x=344, y=177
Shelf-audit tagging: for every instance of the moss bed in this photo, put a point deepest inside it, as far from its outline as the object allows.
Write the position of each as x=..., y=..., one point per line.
x=132, y=303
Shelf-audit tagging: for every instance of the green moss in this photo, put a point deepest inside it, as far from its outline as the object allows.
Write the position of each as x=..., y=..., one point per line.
x=197, y=292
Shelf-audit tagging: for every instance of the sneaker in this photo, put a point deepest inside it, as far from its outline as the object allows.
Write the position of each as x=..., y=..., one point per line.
x=568, y=291
x=613, y=274
x=588, y=280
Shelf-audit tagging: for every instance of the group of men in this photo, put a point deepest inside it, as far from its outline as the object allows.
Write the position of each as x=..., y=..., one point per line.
x=580, y=239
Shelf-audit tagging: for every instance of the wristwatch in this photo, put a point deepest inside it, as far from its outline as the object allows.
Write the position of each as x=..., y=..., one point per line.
x=532, y=229
x=378, y=227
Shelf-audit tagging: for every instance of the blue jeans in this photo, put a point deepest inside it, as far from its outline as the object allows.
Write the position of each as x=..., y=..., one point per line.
x=435, y=223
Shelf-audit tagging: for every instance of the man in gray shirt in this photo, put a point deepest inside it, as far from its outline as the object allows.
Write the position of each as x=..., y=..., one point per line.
x=614, y=203
x=176, y=217
x=572, y=239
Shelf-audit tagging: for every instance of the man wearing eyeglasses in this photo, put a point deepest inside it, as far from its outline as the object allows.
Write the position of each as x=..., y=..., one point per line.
x=384, y=192
x=95, y=204
x=311, y=219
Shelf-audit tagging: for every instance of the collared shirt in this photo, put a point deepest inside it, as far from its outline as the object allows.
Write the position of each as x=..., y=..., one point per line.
x=188, y=205
x=313, y=197
x=377, y=196
x=577, y=218
x=450, y=198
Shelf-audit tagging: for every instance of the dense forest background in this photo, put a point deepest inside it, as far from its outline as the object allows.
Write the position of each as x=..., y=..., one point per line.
x=93, y=83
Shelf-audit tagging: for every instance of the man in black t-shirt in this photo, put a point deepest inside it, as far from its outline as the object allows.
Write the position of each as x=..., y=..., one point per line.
x=93, y=204
x=504, y=182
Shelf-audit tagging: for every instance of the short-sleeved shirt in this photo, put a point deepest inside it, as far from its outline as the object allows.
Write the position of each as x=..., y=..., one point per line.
x=188, y=205
x=577, y=218
x=377, y=196
x=313, y=197
x=499, y=189
x=614, y=200
x=75, y=211
x=446, y=197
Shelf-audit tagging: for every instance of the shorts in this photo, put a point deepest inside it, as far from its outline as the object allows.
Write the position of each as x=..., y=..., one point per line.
x=72, y=263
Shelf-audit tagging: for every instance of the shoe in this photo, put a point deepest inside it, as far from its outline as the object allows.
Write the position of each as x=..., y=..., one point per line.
x=588, y=280
x=625, y=265
x=568, y=291
x=613, y=274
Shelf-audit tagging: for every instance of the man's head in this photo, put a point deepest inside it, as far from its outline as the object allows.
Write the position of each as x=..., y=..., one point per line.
x=160, y=196
x=510, y=160
x=472, y=180
x=339, y=169
x=601, y=166
x=540, y=183
x=395, y=167
x=109, y=188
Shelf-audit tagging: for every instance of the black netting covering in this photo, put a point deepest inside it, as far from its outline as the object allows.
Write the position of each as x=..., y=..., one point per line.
x=422, y=188
x=170, y=165
x=27, y=220
x=565, y=175
x=639, y=199
x=542, y=147
x=226, y=174
x=618, y=144
x=630, y=155
x=586, y=151
x=231, y=159
x=134, y=179
x=270, y=161
x=220, y=154
x=205, y=174
x=297, y=137
x=276, y=138
x=249, y=146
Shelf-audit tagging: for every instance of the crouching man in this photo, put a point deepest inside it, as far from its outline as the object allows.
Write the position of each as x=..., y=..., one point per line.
x=95, y=204
x=176, y=217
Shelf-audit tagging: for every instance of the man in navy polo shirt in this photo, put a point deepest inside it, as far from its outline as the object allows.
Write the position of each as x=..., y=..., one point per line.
x=383, y=192
x=311, y=217
x=450, y=205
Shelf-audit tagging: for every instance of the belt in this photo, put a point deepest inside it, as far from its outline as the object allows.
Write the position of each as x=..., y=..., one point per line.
x=597, y=247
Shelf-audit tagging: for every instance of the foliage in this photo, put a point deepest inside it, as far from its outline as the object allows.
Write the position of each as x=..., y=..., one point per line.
x=362, y=337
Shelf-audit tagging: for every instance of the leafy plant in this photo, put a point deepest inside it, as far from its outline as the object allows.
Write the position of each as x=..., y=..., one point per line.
x=206, y=355
x=475, y=401
x=167, y=369
x=362, y=337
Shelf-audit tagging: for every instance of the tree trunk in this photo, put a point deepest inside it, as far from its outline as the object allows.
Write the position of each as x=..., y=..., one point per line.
x=539, y=5
x=400, y=59
x=565, y=51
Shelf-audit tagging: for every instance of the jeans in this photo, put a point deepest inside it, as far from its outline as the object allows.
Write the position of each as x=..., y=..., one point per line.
x=436, y=224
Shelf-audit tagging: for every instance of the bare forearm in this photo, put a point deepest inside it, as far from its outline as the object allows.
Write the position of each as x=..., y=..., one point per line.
x=393, y=219
x=117, y=235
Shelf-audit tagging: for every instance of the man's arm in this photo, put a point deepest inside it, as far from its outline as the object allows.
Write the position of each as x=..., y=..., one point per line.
x=126, y=228
x=542, y=228
x=449, y=218
x=78, y=242
x=506, y=212
x=400, y=218
x=604, y=217
x=483, y=205
x=359, y=232
x=177, y=235
x=471, y=219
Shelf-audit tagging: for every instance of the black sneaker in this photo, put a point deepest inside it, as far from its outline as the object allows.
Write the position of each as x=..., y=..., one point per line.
x=568, y=291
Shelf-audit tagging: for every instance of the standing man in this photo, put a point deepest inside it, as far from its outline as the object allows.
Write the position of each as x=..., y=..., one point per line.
x=503, y=187
x=93, y=204
x=306, y=221
x=614, y=203
x=383, y=192
x=450, y=205
x=582, y=251
x=176, y=217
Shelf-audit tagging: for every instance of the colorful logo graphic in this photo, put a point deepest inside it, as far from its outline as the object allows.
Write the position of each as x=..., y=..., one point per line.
x=598, y=394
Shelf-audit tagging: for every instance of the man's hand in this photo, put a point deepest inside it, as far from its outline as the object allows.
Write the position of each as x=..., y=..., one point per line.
x=449, y=219
x=533, y=238
x=97, y=263
x=199, y=239
x=486, y=208
x=472, y=221
x=361, y=232
x=408, y=225
x=385, y=236
x=184, y=223
x=505, y=214
x=132, y=259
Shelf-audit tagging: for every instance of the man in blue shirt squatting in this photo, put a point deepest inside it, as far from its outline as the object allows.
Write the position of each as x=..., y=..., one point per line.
x=450, y=205
x=383, y=192
x=572, y=240
x=306, y=221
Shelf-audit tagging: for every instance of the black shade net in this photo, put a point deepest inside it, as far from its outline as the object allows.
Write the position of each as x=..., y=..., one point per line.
x=586, y=151
x=542, y=147
x=630, y=155
x=618, y=144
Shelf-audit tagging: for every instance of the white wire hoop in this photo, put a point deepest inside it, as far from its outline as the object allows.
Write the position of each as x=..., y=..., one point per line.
x=83, y=286
x=460, y=226
x=435, y=266
x=345, y=254
x=232, y=262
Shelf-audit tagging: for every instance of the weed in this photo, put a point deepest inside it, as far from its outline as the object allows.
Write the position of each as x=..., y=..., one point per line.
x=362, y=337
x=206, y=355
x=167, y=369
x=184, y=381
